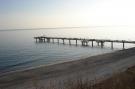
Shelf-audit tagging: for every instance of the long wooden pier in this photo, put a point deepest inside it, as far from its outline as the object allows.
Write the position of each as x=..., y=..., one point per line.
x=84, y=42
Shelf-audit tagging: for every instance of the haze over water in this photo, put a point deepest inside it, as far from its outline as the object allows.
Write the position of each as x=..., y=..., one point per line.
x=19, y=51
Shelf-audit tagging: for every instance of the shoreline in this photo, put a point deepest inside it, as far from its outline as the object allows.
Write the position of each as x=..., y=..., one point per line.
x=92, y=66
x=13, y=68
x=51, y=64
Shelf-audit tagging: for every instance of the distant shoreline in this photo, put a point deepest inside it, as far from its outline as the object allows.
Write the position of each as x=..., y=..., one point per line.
x=98, y=66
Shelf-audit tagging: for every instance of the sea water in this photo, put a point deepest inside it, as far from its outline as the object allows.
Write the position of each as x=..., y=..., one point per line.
x=19, y=51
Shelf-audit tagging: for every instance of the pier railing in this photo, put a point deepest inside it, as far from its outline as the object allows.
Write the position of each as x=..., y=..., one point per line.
x=84, y=42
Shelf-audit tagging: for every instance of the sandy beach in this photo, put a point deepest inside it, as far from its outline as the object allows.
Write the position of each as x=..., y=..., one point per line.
x=95, y=67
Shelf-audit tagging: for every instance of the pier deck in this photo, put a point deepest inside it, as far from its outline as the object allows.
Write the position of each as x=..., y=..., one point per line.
x=84, y=41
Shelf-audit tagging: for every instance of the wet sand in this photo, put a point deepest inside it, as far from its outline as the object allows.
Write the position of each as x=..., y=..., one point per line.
x=95, y=67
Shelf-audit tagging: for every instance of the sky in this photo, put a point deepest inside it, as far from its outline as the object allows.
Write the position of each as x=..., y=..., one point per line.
x=15, y=14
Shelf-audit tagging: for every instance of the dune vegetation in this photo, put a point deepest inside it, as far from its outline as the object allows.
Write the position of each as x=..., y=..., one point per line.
x=124, y=80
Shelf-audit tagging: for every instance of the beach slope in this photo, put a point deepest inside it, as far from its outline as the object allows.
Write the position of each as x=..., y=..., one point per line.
x=95, y=67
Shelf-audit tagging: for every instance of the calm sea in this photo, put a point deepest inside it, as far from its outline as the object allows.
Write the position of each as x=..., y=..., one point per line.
x=19, y=51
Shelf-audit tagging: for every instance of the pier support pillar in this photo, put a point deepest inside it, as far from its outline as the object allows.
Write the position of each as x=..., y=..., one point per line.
x=86, y=43
x=102, y=44
x=48, y=40
x=111, y=45
x=63, y=41
x=40, y=40
x=53, y=40
x=82, y=43
x=58, y=41
x=43, y=39
x=123, y=45
x=76, y=42
x=92, y=43
x=36, y=40
x=98, y=43
x=69, y=42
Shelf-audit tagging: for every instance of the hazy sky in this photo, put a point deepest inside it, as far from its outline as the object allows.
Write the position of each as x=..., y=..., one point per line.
x=65, y=13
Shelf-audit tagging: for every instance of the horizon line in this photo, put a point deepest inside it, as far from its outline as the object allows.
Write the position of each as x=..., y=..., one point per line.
x=4, y=29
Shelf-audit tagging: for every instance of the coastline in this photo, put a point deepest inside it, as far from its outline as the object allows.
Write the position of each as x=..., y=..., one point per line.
x=92, y=67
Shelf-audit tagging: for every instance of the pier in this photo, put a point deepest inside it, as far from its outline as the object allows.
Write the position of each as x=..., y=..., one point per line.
x=84, y=42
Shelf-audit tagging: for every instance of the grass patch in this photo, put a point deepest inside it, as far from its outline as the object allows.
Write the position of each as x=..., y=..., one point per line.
x=124, y=80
